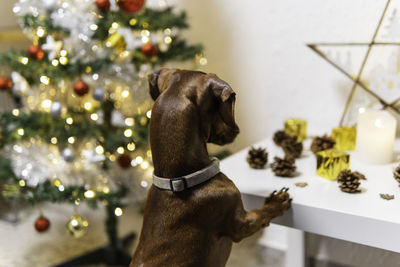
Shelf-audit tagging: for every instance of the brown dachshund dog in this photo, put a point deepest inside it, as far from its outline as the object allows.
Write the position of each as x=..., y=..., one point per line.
x=195, y=227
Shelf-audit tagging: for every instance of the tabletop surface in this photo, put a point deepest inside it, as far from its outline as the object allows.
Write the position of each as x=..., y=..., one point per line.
x=321, y=207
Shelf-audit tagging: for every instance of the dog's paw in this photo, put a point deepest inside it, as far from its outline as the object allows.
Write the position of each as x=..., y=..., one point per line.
x=277, y=203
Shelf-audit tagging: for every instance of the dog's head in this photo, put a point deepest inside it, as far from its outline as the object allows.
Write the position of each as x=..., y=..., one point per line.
x=213, y=98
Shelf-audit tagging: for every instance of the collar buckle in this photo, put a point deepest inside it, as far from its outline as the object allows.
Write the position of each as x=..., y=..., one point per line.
x=178, y=184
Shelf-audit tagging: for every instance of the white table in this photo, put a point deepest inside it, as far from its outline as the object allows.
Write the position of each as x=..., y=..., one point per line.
x=321, y=207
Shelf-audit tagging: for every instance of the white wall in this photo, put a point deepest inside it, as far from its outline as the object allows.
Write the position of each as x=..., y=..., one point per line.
x=259, y=47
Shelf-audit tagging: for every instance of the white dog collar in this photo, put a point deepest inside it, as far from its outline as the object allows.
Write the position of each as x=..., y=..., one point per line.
x=180, y=184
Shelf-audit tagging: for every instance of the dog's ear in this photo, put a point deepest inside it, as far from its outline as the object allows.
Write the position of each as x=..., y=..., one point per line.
x=153, y=84
x=226, y=97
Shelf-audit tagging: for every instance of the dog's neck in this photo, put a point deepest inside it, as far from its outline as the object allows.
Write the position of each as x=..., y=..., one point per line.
x=172, y=165
x=177, y=145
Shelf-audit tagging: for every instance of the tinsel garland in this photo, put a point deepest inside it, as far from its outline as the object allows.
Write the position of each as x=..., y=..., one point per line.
x=33, y=22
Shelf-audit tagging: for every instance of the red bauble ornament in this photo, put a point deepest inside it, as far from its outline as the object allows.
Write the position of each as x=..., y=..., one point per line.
x=81, y=88
x=130, y=5
x=5, y=83
x=42, y=224
x=149, y=50
x=103, y=5
x=124, y=161
x=35, y=52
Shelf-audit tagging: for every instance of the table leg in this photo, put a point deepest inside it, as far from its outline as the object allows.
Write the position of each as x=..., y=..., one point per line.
x=295, y=254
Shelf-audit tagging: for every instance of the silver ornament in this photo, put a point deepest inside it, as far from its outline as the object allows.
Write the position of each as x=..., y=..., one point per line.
x=55, y=109
x=68, y=154
x=98, y=94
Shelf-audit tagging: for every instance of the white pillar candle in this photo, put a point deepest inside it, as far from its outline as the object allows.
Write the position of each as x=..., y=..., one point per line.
x=376, y=132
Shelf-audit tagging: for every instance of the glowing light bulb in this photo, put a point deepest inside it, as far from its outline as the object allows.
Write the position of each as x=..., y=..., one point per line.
x=167, y=40
x=99, y=150
x=46, y=104
x=21, y=131
x=125, y=93
x=148, y=114
x=87, y=105
x=128, y=133
x=22, y=183
x=145, y=39
x=54, y=62
x=69, y=121
x=64, y=60
x=94, y=116
x=89, y=194
x=118, y=211
x=129, y=121
x=115, y=25
x=139, y=160
x=24, y=60
x=120, y=150
x=45, y=80
x=144, y=165
x=131, y=146
x=71, y=140
x=54, y=140
x=15, y=112
x=94, y=27
x=40, y=32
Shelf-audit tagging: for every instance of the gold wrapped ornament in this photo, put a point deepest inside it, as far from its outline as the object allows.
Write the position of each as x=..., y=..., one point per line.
x=116, y=41
x=296, y=127
x=345, y=138
x=331, y=162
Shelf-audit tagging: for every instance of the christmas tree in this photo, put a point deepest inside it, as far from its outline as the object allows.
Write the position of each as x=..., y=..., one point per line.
x=78, y=132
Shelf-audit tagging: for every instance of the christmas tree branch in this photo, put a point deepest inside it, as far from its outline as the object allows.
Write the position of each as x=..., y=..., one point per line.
x=33, y=70
x=43, y=126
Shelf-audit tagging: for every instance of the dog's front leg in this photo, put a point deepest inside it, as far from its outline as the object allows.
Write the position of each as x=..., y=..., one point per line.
x=245, y=223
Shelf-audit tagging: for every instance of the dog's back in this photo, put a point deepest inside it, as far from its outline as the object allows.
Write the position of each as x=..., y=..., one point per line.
x=196, y=227
x=188, y=228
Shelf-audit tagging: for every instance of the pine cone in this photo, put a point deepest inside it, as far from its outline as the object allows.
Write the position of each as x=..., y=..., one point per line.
x=257, y=158
x=280, y=136
x=396, y=173
x=283, y=167
x=350, y=181
x=322, y=143
x=292, y=148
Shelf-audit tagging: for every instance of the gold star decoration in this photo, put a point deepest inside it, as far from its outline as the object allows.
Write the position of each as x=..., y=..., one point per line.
x=358, y=79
